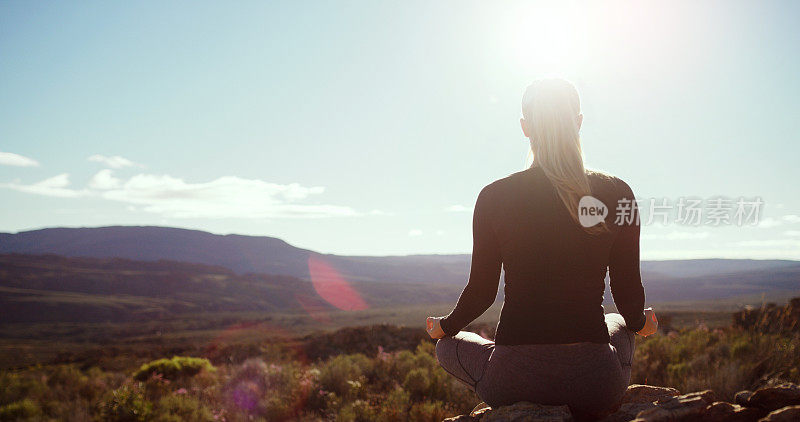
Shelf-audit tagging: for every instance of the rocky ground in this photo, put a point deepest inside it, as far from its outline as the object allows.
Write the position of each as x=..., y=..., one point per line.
x=656, y=404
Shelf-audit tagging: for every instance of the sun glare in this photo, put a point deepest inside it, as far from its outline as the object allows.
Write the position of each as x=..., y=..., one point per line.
x=570, y=39
x=555, y=39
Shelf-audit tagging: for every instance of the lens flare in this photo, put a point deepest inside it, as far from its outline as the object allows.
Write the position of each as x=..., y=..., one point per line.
x=331, y=286
x=246, y=388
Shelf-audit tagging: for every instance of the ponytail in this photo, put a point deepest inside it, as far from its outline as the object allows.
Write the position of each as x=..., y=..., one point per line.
x=551, y=109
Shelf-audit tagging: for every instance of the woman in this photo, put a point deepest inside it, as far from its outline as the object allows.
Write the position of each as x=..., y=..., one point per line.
x=554, y=344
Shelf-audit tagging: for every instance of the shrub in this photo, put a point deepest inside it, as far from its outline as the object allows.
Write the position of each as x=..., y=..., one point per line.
x=724, y=360
x=272, y=377
x=428, y=412
x=343, y=374
x=24, y=409
x=357, y=411
x=172, y=369
x=16, y=387
x=741, y=349
x=416, y=383
x=126, y=403
x=277, y=409
x=273, y=391
x=181, y=407
x=395, y=407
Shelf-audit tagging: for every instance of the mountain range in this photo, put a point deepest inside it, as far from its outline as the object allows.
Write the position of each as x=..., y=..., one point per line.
x=53, y=288
x=242, y=254
x=158, y=270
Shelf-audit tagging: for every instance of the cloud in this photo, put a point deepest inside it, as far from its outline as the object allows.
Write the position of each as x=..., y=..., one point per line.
x=415, y=233
x=115, y=162
x=792, y=232
x=104, y=180
x=224, y=197
x=11, y=159
x=793, y=243
x=227, y=196
x=677, y=235
x=380, y=212
x=54, y=186
x=791, y=218
x=458, y=208
x=769, y=222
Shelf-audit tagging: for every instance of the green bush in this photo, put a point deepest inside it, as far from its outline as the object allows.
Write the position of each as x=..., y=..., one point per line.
x=277, y=409
x=172, y=369
x=181, y=407
x=21, y=410
x=357, y=411
x=275, y=391
x=741, y=349
x=416, y=383
x=428, y=412
x=396, y=406
x=17, y=386
x=343, y=374
x=678, y=371
x=126, y=404
x=724, y=360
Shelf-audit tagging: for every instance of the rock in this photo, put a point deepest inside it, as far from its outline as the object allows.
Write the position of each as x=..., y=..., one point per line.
x=647, y=403
x=785, y=414
x=721, y=411
x=773, y=398
x=480, y=409
x=673, y=409
x=527, y=412
x=627, y=412
x=517, y=412
x=708, y=396
x=461, y=418
x=639, y=398
x=741, y=397
x=638, y=393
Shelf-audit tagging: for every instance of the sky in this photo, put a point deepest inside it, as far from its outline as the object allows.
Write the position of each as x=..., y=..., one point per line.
x=368, y=128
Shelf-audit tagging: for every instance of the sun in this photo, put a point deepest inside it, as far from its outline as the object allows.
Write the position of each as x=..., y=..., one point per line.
x=553, y=38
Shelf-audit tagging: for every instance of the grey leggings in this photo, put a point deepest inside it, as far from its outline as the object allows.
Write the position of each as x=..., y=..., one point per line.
x=589, y=377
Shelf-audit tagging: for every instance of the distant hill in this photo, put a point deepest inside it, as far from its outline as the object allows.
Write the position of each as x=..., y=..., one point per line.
x=50, y=288
x=238, y=255
x=242, y=254
x=270, y=255
x=702, y=267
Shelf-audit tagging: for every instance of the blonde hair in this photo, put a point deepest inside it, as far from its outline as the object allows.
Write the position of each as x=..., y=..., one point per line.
x=551, y=109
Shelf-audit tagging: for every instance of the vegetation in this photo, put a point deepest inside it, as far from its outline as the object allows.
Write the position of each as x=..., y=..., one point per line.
x=173, y=369
x=73, y=349
x=393, y=386
x=723, y=360
x=363, y=382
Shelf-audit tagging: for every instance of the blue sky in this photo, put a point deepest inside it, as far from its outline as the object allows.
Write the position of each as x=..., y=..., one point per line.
x=370, y=127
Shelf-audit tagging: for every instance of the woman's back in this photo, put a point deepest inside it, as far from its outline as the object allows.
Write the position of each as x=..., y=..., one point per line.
x=554, y=269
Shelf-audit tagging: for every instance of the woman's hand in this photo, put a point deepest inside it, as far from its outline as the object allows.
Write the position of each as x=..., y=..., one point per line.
x=650, y=324
x=434, y=328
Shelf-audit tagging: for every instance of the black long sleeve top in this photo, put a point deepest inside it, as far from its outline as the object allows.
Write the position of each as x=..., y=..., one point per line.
x=554, y=270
